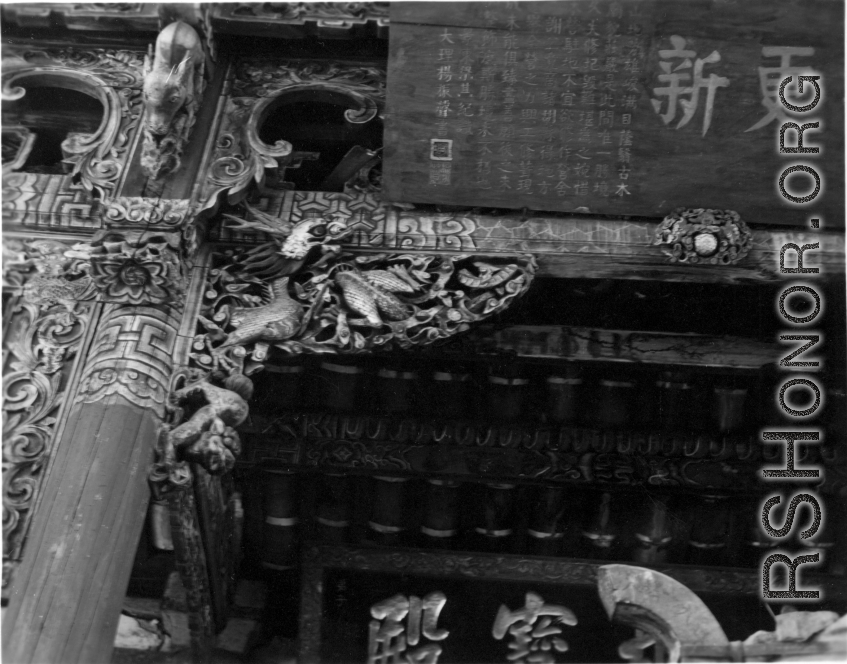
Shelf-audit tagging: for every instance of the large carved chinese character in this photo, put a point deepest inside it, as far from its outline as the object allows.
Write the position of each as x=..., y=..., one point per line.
x=536, y=629
x=388, y=638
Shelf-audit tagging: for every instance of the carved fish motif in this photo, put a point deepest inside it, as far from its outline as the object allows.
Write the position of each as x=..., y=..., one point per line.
x=278, y=320
x=367, y=299
x=388, y=281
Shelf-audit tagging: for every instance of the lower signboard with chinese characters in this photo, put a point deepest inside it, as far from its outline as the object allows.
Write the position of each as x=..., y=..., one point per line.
x=391, y=606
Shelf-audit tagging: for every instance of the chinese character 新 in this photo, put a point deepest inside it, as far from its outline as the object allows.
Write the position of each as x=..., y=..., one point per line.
x=388, y=638
x=686, y=79
x=535, y=629
x=771, y=77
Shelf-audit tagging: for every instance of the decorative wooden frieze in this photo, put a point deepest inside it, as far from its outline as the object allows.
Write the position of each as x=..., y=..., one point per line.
x=113, y=78
x=136, y=211
x=300, y=293
x=351, y=303
x=566, y=247
x=298, y=19
x=239, y=156
x=84, y=15
x=577, y=457
x=45, y=328
x=125, y=267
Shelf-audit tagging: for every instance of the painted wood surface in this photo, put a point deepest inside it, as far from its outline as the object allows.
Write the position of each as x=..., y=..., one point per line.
x=612, y=107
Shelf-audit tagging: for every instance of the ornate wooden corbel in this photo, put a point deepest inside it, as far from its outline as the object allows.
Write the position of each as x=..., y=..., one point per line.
x=111, y=77
x=709, y=237
x=240, y=157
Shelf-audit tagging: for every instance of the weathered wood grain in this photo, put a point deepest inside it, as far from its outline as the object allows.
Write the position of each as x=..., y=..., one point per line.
x=519, y=139
x=67, y=595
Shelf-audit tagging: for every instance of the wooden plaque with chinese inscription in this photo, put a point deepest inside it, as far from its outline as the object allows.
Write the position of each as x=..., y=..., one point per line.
x=632, y=107
x=380, y=605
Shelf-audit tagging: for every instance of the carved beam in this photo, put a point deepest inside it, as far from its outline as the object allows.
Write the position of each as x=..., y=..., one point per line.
x=84, y=16
x=296, y=20
x=631, y=347
x=290, y=434
x=566, y=246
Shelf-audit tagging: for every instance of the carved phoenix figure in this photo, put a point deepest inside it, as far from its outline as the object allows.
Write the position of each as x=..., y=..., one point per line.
x=291, y=245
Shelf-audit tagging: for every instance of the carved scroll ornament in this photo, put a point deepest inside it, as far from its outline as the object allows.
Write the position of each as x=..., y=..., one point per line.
x=17, y=144
x=44, y=332
x=704, y=236
x=111, y=77
x=240, y=156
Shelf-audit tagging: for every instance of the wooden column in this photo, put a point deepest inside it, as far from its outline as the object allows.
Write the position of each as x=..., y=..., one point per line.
x=67, y=593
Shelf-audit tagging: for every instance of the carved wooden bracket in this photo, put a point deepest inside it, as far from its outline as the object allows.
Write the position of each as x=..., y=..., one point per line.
x=111, y=77
x=299, y=292
x=239, y=156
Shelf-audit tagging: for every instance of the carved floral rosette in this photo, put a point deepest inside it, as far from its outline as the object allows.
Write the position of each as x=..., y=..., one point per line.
x=704, y=236
x=361, y=303
x=134, y=267
x=239, y=156
x=45, y=327
x=113, y=78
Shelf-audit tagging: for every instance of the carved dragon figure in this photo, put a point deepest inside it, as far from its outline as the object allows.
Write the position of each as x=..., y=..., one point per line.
x=173, y=86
